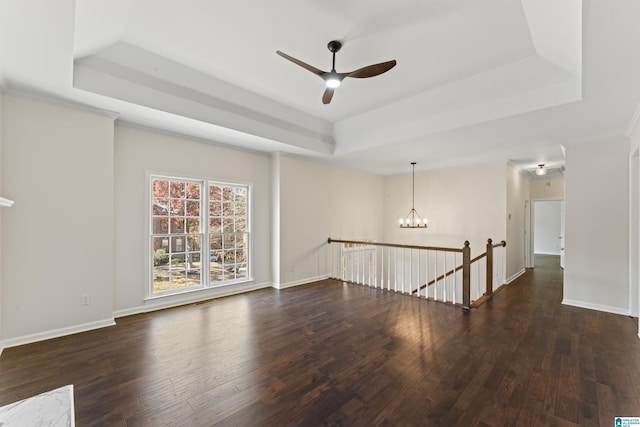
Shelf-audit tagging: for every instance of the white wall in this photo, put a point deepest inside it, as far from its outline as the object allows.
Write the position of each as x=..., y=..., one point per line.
x=634, y=230
x=547, y=227
x=460, y=204
x=2, y=194
x=634, y=222
x=57, y=241
x=596, y=271
x=141, y=151
x=318, y=201
x=518, y=191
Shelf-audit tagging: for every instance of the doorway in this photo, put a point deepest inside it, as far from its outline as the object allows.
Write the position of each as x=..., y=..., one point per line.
x=548, y=228
x=528, y=255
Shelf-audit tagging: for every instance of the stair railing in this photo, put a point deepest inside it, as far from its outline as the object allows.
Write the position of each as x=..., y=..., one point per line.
x=414, y=270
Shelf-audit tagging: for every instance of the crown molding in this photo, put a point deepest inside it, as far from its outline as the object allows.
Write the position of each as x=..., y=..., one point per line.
x=36, y=95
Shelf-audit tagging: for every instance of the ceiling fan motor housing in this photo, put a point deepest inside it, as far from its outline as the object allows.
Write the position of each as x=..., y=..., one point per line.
x=334, y=46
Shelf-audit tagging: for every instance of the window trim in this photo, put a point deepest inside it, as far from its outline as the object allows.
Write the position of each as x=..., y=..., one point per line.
x=205, y=246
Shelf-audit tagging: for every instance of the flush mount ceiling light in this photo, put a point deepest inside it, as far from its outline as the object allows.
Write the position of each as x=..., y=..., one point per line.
x=541, y=170
x=413, y=219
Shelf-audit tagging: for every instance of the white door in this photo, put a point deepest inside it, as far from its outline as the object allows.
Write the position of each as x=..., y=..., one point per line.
x=561, y=237
x=528, y=260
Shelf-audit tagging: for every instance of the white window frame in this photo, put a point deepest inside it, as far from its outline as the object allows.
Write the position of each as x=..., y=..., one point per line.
x=205, y=233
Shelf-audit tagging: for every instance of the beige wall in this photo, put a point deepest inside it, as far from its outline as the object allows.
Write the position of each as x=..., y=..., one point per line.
x=547, y=189
x=78, y=225
x=57, y=241
x=317, y=201
x=518, y=191
x=141, y=151
x=596, y=271
x=460, y=204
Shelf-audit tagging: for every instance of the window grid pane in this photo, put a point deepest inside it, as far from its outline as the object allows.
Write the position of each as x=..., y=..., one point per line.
x=175, y=235
x=180, y=225
x=228, y=233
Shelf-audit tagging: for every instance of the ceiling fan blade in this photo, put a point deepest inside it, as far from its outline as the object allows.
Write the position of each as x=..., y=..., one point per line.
x=371, y=70
x=304, y=65
x=326, y=97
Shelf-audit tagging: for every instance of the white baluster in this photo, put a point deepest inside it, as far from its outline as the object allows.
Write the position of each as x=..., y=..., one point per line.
x=410, y=270
x=376, y=273
x=435, y=277
x=477, y=280
x=389, y=269
x=395, y=269
x=426, y=276
x=445, y=277
x=343, y=263
x=404, y=251
x=363, y=261
x=351, y=254
x=338, y=254
x=419, y=270
x=369, y=264
x=382, y=267
x=455, y=273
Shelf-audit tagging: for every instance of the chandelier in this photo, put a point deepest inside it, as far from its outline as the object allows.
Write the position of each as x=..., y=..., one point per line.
x=413, y=219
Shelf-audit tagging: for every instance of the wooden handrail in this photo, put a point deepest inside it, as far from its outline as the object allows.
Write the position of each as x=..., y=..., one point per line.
x=465, y=267
x=394, y=245
x=458, y=268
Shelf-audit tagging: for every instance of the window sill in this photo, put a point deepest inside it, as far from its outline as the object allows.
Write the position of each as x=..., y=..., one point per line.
x=194, y=291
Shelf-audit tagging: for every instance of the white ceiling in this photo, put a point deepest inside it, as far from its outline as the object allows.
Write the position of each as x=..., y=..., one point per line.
x=476, y=82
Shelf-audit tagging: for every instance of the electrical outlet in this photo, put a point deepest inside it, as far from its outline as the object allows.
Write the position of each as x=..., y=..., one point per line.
x=86, y=299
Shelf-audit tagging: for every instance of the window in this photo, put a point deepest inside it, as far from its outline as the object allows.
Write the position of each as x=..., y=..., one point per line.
x=179, y=225
x=229, y=239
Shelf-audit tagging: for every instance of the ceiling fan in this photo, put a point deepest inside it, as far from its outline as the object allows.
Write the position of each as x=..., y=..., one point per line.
x=333, y=79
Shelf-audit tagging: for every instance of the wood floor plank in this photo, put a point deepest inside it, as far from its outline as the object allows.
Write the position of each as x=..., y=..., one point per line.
x=331, y=353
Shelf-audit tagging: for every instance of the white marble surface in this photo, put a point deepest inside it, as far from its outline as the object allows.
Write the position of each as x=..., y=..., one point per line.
x=51, y=409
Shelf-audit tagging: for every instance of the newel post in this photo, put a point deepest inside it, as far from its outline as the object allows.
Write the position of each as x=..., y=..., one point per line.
x=466, y=276
x=489, y=290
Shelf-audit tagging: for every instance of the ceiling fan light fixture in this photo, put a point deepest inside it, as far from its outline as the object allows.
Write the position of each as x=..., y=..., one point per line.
x=332, y=81
x=541, y=170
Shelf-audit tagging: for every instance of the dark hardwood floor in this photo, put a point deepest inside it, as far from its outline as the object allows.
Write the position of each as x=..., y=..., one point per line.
x=336, y=354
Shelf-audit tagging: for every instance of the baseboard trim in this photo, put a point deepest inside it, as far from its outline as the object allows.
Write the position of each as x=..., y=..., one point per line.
x=152, y=305
x=301, y=282
x=191, y=298
x=598, y=307
x=55, y=333
x=515, y=276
